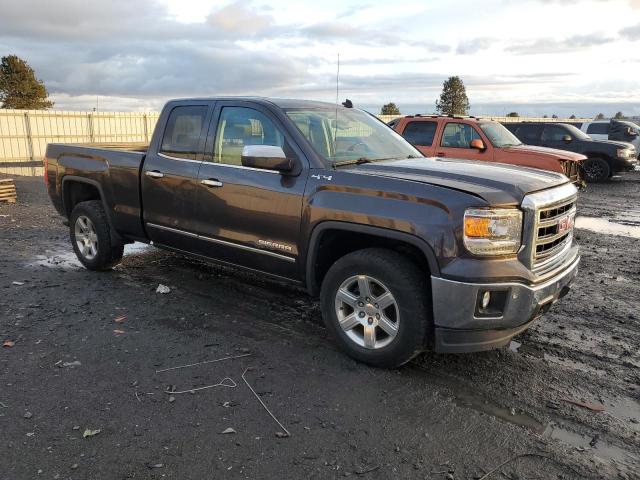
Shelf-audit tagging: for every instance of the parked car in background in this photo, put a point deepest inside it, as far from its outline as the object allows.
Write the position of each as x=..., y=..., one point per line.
x=405, y=252
x=477, y=139
x=604, y=157
x=620, y=130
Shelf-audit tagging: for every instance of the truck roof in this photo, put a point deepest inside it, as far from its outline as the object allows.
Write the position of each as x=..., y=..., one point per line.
x=279, y=102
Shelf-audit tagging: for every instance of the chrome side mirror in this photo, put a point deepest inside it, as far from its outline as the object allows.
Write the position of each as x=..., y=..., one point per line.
x=266, y=157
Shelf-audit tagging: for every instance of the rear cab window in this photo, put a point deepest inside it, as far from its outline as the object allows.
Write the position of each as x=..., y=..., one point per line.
x=185, y=127
x=529, y=133
x=458, y=135
x=420, y=132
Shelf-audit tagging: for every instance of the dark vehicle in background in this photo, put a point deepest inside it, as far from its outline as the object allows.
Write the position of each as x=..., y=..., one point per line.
x=620, y=130
x=604, y=157
x=405, y=252
x=479, y=139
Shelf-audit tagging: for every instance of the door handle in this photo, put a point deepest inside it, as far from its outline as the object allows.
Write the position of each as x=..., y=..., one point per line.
x=441, y=154
x=154, y=174
x=211, y=183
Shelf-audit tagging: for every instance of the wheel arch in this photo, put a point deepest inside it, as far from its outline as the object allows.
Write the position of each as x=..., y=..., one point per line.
x=79, y=189
x=339, y=238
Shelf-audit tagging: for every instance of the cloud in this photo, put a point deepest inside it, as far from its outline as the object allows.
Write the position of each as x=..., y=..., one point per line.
x=631, y=33
x=474, y=45
x=553, y=46
x=237, y=18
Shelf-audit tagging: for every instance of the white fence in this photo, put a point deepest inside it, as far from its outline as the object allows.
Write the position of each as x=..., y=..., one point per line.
x=24, y=134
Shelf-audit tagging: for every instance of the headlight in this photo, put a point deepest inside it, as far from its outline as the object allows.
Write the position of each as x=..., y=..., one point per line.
x=625, y=153
x=492, y=231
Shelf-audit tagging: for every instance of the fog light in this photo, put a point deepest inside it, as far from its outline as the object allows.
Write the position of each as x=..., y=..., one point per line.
x=486, y=298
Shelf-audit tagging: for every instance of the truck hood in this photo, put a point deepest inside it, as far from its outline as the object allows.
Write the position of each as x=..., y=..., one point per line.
x=545, y=152
x=497, y=184
x=613, y=143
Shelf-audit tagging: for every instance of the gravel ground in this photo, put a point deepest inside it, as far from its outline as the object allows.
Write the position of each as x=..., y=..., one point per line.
x=87, y=347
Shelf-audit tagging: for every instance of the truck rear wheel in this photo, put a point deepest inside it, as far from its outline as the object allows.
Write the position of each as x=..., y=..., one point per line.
x=596, y=170
x=91, y=237
x=375, y=302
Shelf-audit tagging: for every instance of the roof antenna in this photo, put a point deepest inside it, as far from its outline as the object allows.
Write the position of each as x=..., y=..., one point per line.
x=335, y=127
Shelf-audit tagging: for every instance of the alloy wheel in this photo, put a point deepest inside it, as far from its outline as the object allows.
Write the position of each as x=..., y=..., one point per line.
x=367, y=311
x=86, y=237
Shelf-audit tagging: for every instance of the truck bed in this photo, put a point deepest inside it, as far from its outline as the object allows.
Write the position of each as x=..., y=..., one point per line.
x=112, y=168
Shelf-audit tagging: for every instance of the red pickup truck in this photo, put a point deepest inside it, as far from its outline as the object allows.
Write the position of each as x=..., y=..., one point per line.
x=477, y=139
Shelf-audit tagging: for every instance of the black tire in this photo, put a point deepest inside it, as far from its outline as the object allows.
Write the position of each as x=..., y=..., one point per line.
x=596, y=170
x=108, y=255
x=410, y=289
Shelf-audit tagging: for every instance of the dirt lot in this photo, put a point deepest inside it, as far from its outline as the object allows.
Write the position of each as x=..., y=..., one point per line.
x=77, y=365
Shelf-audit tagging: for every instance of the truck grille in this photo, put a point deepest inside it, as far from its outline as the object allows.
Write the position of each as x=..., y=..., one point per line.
x=553, y=235
x=548, y=236
x=571, y=170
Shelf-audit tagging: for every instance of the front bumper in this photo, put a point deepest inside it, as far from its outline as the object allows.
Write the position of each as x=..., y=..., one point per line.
x=459, y=328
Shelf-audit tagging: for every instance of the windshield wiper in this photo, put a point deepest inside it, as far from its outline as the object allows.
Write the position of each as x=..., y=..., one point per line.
x=360, y=161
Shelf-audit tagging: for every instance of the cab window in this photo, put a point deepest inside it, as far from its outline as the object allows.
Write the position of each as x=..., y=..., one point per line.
x=239, y=127
x=554, y=133
x=182, y=134
x=420, y=133
x=458, y=135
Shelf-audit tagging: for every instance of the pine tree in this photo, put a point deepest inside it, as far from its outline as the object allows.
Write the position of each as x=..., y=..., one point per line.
x=512, y=114
x=19, y=87
x=572, y=117
x=600, y=116
x=390, y=109
x=453, y=99
x=618, y=115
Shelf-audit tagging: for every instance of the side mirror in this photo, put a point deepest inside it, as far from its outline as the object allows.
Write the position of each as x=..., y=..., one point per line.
x=566, y=138
x=478, y=144
x=266, y=157
x=631, y=132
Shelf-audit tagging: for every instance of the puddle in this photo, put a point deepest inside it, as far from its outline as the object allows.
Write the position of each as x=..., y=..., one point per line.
x=480, y=404
x=67, y=260
x=625, y=409
x=597, y=447
x=626, y=227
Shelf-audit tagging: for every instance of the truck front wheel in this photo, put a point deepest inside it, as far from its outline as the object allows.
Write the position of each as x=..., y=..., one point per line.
x=375, y=302
x=596, y=170
x=91, y=237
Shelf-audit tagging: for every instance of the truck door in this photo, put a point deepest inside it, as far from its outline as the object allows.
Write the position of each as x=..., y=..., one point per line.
x=456, y=143
x=248, y=216
x=420, y=134
x=170, y=175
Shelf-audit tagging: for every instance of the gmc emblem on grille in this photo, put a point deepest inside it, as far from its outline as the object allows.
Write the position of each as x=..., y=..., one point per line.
x=565, y=224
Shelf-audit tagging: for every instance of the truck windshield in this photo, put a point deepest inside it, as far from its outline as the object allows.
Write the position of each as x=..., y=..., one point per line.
x=498, y=135
x=349, y=135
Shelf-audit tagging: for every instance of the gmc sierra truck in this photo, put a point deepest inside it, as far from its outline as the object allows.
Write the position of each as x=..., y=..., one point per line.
x=405, y=252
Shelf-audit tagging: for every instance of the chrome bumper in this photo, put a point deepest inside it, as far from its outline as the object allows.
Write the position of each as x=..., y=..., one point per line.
x=458, y=326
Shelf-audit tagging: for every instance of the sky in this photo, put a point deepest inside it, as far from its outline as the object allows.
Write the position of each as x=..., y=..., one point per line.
x=536, y=57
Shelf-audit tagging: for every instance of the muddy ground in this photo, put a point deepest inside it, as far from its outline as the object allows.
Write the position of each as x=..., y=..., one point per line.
x=76, y=365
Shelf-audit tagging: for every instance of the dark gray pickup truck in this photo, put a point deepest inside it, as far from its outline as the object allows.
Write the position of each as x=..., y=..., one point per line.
x=405, y=252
